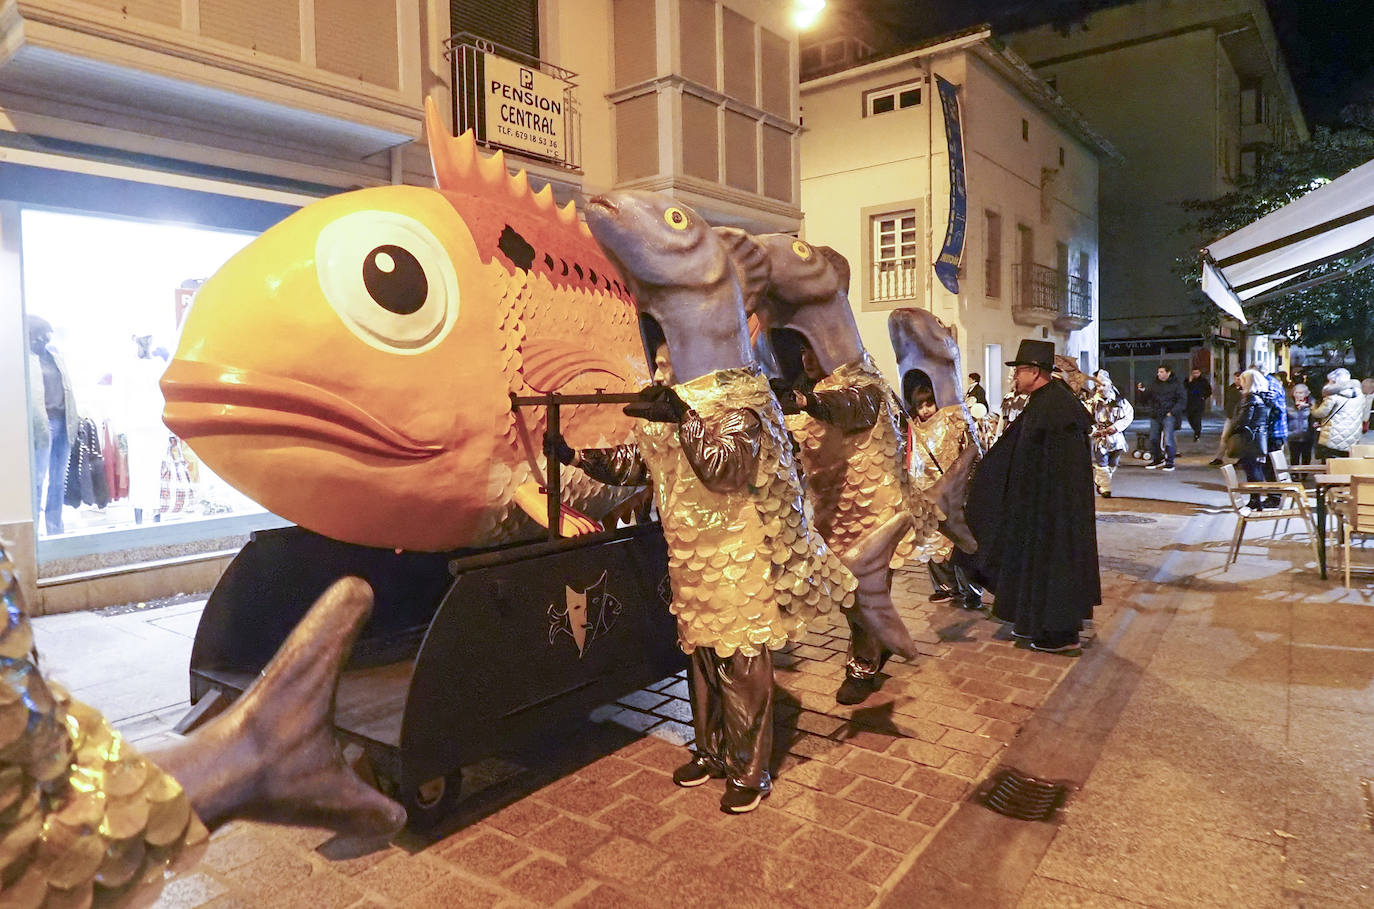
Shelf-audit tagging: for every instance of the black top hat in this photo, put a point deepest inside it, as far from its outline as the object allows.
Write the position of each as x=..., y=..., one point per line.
x=1034, y=353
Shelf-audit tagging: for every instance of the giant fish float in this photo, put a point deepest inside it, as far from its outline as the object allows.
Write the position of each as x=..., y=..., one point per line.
x=351, y=368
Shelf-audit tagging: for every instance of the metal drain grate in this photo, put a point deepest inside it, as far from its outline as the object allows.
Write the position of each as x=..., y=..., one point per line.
x=1017, y=795
x=1125, y=519
x=1368, y=786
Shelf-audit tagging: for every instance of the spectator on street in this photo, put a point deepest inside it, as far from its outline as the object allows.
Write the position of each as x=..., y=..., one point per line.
x=1278, y=426
x=1300, y=438
x=1166, y=400
x=1337, y=419
x=1199, y=392
x=976, y=394
x=1247, y=438
x=1030, y=507
x=1230, y=401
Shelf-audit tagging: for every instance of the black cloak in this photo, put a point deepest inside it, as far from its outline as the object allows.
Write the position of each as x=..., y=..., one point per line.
x=1032, y=511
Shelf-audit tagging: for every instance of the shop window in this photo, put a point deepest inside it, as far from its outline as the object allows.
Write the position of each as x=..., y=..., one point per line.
x=509, y=23
x=895, y=253
x=886, y=100
x=100, y=338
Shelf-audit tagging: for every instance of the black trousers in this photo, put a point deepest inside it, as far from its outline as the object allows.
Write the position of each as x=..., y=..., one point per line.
x=1195, y=418
x=732, y=712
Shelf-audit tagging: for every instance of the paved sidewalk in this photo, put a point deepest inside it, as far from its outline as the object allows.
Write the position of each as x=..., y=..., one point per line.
x=598, y=821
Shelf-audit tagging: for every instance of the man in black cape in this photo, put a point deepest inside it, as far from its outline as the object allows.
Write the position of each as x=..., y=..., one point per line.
x=1031, y=509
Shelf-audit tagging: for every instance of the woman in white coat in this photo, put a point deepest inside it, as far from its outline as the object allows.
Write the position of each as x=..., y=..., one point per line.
x=1338, y=419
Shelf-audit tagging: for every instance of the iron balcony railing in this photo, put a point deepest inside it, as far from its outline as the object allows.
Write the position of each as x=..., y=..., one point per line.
x=1044, y=290
x=464, y=51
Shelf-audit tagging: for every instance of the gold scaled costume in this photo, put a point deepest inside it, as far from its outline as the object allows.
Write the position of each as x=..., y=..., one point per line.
x=937, y=443
x=84, y=819
x=853, y=455
x=748, y=574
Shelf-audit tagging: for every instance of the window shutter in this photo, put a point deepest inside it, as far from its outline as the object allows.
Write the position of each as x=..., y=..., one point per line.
x=511, y=23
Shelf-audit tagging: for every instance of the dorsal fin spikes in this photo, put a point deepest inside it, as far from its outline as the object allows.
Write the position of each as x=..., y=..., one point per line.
x=454, y=158
x=493, y=170
x=568, y=213
x=543, y=198
x=519, y=186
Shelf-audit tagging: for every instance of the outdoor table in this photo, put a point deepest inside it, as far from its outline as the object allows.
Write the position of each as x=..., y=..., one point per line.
x=1325, y=483
x=1307, y=468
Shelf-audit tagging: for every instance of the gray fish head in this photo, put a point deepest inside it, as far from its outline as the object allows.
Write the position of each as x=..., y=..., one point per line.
x=808, y=292
x=656, y=240
x=685, y=287
x=925, y=347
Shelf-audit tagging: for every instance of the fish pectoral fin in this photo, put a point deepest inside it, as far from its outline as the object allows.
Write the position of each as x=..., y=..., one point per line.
x=551, y=363
x=872, y=552
x=533, y=501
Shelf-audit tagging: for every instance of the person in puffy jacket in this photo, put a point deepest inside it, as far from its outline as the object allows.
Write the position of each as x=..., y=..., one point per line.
x=1248, y=438
x=1338, y=417
x=1167, y=401
x=1300, y=437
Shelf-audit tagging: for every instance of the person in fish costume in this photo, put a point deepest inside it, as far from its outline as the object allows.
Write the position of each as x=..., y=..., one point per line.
x=748, y=571
x=86, y=820
x=852, y=451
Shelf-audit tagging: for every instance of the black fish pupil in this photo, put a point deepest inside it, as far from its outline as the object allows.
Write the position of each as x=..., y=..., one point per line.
x=393, y=277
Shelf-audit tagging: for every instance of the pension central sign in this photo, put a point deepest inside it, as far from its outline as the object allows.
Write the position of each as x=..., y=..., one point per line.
x=524, y=109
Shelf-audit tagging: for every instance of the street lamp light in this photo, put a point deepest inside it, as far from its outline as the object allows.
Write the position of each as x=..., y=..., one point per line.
x=806, y=12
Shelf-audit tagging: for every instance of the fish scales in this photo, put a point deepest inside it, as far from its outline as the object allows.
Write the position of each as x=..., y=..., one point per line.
x=351, y=368
x=859, y=481
x=785, y=579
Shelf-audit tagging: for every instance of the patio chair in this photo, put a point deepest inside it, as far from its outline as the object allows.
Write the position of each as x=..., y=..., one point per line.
x=1292, y=504
x=1338, y=499
x=1358, y=513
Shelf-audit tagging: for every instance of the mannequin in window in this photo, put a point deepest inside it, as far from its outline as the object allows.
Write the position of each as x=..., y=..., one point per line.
x=148, y=435
x=51, y=384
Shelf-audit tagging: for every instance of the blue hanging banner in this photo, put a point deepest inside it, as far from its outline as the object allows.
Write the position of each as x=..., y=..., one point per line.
x=952, y=253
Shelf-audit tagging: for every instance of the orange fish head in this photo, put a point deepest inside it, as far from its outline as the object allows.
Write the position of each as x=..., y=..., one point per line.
x=344, y=370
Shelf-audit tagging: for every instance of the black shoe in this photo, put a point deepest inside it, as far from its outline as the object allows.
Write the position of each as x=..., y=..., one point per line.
x=1255, y=504
x=1070, y=650
x=856, y=691
x=1105, y=493
x=1270, y=502
x=940, y=596
x=697, y=771
x=972, y=604
x=741, y=800
x=1215, y=462
x=1168, y=467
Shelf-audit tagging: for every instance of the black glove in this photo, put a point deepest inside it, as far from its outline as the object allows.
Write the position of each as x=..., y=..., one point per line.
x=783, y=391
x=658, y=404
x=557, y=447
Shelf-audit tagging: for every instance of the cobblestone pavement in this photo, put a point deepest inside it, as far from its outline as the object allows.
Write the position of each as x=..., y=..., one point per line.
x=596, y=820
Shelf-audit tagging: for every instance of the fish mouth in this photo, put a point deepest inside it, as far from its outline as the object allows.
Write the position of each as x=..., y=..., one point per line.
x=603, y=202
x=206, y=399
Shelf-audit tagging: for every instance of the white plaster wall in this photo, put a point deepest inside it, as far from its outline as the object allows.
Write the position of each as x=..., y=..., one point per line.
x=850, y=163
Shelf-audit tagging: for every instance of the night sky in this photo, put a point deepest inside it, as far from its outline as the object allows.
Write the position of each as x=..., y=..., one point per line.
x=1329, y=44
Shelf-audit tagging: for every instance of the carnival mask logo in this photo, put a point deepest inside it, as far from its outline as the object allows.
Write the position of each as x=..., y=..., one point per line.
x=585, y=615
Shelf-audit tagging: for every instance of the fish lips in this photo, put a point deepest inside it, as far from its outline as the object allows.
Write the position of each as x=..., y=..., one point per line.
x=204, y=399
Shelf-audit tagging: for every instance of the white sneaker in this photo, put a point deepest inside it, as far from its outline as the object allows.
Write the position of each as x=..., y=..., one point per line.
x=1169, y=468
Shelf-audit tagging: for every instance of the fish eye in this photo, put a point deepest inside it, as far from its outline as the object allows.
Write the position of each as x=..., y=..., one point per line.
x=677, y=218
x=389, y=279
x=802, y=250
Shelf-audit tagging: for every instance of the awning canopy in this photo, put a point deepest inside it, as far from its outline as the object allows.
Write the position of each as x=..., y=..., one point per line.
x=1280, y=252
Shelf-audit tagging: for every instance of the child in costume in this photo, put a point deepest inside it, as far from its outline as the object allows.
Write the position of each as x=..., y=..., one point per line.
x=851, y=449
x=1112, y=415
